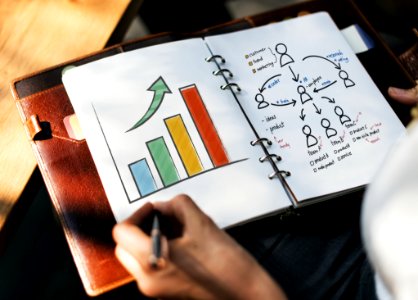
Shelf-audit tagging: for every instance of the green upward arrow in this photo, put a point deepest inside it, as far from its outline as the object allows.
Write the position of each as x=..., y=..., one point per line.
x=159, y=87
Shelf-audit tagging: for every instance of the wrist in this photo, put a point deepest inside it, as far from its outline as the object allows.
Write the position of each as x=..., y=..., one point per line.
x=246, y=278
x=260, y=285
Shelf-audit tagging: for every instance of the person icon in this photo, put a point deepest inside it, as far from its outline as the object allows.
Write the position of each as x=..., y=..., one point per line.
x=304, y=96
x=347, y=81
x=340, y=113
x=259, y=98
x=330, y=132
x=311, y=140
x=285, y=58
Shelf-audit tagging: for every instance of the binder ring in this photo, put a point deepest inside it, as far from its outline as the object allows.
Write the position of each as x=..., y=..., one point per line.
x=217, y=72
x=212, y=57
x=260, y=140
x=230, y=85
x=281, y=172
x=263, y=158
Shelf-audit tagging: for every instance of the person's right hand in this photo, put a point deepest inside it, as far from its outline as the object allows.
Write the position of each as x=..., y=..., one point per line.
x=203, y=263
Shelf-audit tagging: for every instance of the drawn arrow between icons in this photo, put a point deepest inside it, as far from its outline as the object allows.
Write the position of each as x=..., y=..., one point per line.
x=336, y=65
x=317, y=110
x=316, y=90
x=293, y=102
x=295, y=78
x=264, y=84
x=302, y=115
x=330, y=100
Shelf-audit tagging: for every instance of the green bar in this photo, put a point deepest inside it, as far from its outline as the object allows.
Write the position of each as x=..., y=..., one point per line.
x=163, y=161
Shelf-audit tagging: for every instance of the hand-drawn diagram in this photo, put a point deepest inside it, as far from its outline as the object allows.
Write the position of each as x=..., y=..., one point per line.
x=178, y=135
x=314, y=100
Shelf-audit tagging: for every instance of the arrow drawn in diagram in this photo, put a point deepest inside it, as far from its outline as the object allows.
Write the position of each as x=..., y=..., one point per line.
x=336, y=65
x=330, y=100
x=317, y=110
x=316, y=90
x=295, y=77
x=302, y=115
x=293, y=102
x=160, y=88
x=263, y=87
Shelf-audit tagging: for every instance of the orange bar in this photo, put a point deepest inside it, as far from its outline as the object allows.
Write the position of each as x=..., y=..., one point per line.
x=204, y=125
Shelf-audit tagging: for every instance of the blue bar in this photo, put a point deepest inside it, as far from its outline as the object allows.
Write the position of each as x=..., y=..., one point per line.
x=143, y=177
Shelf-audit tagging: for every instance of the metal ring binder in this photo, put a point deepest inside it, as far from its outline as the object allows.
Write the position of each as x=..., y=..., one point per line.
x=277, y=173
x=212, y=57
x=263, y=158
x=230, y=85
x=217, y=72
x=260, y=140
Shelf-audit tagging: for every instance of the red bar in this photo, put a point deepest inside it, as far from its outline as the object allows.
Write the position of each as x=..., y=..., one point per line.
x=204, y=125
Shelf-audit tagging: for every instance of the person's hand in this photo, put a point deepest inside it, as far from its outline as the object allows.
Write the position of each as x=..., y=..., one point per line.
x=203, y=263
x=406, y=96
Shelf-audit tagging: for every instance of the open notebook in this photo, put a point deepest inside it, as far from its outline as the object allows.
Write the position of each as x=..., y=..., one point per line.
x=247, y=123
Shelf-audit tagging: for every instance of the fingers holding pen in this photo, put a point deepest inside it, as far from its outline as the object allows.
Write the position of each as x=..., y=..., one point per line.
x=133, y=240
x=136, y=261
x=182, y=223
x=135, y=249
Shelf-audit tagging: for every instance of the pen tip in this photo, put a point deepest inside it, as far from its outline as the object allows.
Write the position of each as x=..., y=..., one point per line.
x=155, y=222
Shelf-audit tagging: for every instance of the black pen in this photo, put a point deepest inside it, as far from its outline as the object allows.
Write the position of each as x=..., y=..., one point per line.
x=155, y=241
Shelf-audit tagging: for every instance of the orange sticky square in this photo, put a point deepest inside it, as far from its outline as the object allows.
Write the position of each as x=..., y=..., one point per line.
x=73, y=127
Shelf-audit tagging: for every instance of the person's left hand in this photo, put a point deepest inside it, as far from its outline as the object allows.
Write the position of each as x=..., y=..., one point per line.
x=406, y=96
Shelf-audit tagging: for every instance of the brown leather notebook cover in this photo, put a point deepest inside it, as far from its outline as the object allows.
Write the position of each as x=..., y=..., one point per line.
x=67, y=166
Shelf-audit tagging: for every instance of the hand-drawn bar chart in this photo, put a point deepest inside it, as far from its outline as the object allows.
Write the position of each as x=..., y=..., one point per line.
x=163, y=160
